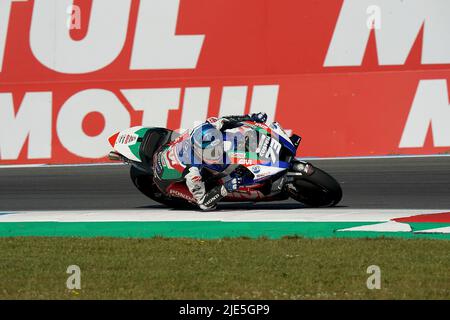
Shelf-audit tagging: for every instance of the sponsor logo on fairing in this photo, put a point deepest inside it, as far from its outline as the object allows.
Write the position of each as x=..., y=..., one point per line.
x=182, y=195
x=256, y=169
x=127, y=139
x=238, y=155
x=269, y=148
x=246, y=162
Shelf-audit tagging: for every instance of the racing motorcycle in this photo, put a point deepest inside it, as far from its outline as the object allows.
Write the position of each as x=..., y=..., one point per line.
x=271, y=171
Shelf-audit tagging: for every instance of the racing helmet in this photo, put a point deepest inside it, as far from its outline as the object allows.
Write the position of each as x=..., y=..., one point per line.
x=207, y=142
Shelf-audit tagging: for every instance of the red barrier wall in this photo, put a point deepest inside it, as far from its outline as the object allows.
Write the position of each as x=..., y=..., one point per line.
x=316, y=66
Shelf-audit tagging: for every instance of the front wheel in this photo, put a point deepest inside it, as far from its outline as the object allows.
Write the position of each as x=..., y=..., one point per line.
x=318, y=189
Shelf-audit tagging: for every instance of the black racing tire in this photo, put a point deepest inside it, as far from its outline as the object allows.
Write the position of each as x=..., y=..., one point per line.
x=145, y=184
x=316, y=190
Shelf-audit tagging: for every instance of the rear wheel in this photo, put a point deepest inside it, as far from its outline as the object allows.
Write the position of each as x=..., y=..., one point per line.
x=145, y=184
x=318, y=189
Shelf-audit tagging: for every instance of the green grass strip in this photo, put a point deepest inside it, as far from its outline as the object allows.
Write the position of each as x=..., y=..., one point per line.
x=289, y=268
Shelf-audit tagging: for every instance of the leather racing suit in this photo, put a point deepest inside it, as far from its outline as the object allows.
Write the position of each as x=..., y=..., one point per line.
x=173, y=163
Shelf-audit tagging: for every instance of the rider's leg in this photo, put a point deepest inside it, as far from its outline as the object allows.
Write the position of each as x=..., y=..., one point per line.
x=195, y=183
x=206, y=199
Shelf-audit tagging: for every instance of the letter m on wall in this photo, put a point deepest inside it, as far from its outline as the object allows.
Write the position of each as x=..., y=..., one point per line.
x=401, y=22
x=430, y=108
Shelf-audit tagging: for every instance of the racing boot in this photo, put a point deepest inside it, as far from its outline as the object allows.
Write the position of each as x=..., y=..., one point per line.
x=211, y=198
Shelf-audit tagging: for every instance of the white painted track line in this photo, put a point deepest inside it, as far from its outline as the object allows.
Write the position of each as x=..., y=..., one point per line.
x=435, y=230
x=390, y=226
x=294, y=215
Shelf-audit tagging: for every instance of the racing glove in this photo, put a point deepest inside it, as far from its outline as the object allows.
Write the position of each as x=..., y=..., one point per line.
x=259, y=117
x=233, y=184
x=209, y=201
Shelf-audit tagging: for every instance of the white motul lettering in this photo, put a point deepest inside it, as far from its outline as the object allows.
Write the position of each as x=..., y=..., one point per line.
x=155, y=104
x=195, y=107
x=155, y=44
x=402, y=21
x=72, y=113
x=264, y=99
x=233, y=100
x=53, y=46
x=430, y=107
x=5, y=10
x=33, y=120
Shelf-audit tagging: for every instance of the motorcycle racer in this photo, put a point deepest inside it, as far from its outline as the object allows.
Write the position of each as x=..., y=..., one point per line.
x=196, y=153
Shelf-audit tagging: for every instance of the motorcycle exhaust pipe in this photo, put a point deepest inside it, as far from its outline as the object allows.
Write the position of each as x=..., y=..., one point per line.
x=114, y=156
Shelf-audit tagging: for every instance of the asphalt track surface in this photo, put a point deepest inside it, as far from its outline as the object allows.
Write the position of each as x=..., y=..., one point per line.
x=391, y=183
